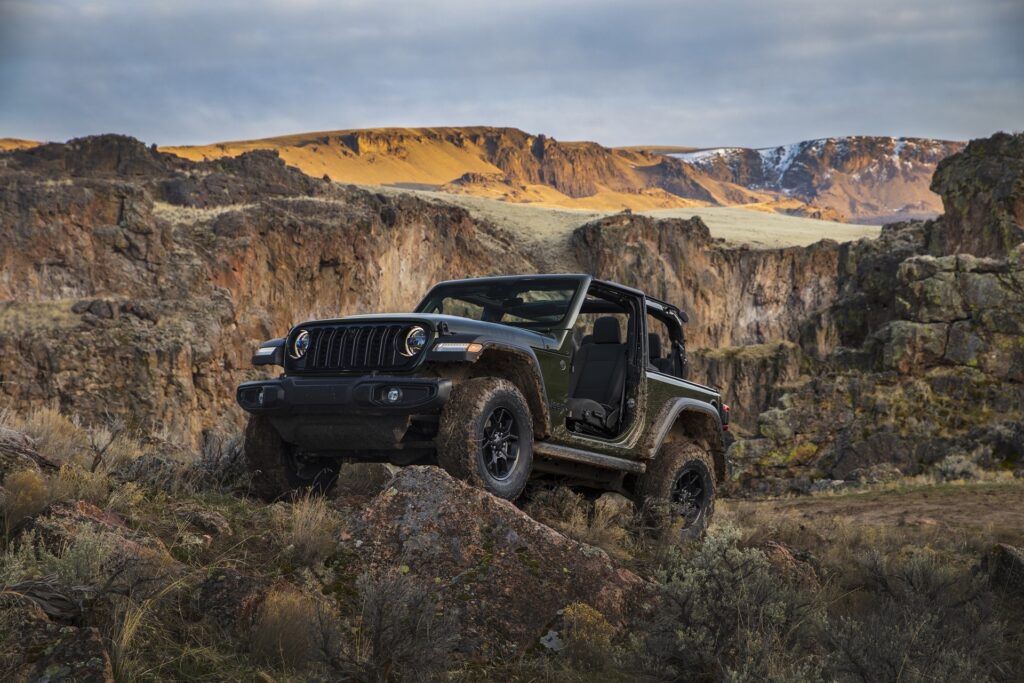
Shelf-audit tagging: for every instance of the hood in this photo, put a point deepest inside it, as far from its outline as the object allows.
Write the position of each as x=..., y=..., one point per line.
x=464, y=328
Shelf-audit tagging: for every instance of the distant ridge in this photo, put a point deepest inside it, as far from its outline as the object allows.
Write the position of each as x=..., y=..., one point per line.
x=861, y=179
x=868, y=178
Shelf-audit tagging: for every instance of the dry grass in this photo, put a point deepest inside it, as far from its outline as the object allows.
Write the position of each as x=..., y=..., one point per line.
x=55, y=435
x=308, y=528
x=284, y=631
x=570, y=513
x=25, y=493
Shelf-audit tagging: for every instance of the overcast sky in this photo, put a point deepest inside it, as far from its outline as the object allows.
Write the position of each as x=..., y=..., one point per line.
x=732, y=72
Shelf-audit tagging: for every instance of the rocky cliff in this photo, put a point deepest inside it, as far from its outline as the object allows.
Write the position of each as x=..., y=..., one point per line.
x=136, y=283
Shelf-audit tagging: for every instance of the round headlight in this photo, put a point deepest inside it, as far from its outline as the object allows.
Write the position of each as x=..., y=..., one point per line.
x=415, y=340
x=300, y=345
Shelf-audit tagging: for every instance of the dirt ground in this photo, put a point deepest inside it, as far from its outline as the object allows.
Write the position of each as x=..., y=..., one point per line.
x=988, y=509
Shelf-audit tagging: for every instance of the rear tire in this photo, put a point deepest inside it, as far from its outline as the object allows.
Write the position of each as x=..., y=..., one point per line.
x=486, y=436
x=681, y=482
x=275, y=470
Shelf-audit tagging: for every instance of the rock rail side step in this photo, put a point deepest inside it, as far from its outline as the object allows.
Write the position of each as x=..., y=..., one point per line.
x=608, y=462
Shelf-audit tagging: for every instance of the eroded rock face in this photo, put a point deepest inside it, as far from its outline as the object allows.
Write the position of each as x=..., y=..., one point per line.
x=753, y=376
x=936, y=380
x=734, y=296
x=504, y=574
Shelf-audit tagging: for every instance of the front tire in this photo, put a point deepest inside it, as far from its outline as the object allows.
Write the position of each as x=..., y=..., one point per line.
x=681, y=482
x=275, y=469
x=486, y=436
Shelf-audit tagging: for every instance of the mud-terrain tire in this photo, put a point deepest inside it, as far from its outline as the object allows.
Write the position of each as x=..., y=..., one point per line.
x=275, y=473
x=477, y=421
x=681, y=478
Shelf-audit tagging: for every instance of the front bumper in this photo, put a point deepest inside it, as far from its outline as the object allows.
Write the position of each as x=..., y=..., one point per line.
x=362, y=395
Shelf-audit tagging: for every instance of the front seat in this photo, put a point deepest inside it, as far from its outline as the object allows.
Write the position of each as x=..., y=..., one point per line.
x=599, y=377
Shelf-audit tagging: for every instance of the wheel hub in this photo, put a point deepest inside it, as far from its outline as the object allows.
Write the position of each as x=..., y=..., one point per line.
x=500, y=443
x=690, y=494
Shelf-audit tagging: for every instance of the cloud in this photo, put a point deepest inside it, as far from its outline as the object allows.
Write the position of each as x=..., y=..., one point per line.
x=740, y=72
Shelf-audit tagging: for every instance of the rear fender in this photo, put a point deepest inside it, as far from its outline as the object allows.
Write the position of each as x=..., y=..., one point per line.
x=688, y=418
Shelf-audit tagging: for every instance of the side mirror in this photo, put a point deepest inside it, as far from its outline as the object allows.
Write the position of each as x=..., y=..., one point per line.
x=270, y=353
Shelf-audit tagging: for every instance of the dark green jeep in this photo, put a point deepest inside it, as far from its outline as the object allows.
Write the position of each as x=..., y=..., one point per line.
x=495, y=379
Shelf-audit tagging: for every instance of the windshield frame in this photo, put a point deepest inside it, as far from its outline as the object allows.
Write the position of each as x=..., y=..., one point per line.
x=579, y=283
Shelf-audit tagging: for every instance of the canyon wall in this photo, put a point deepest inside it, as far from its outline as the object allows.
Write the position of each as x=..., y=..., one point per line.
x=137, y=283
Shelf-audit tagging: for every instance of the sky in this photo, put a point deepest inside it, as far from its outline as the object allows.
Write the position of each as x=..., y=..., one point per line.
x=733, y=72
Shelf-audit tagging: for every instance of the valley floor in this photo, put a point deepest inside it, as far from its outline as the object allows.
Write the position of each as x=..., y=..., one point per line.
x=546, y=230
x=991, y=510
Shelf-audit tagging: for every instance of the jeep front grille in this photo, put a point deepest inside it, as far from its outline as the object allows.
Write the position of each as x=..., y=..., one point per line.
x=357, y=348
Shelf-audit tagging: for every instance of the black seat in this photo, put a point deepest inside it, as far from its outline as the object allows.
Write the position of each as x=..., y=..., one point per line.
x=599, y=377
x=654, y=359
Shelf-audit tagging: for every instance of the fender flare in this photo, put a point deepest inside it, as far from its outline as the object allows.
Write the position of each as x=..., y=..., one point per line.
x=668, y=418
x=526, y=355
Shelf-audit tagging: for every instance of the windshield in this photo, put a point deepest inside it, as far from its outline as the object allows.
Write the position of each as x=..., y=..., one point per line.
x=540, y=304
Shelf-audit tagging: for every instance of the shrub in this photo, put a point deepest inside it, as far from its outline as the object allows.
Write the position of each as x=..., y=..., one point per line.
x=25, y=493
x=79, y=563
x=727, y=614
x=588, y=637
x=58, y=437
x=956, y=466
x=398, y=635
x=75, y=483
x=920, y=618
x=284, y=629
x=308, y=528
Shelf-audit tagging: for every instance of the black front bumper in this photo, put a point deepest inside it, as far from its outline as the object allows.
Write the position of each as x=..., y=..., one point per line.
x=338, y=395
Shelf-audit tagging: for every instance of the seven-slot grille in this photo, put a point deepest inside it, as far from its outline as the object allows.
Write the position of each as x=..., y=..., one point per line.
x=354, y=347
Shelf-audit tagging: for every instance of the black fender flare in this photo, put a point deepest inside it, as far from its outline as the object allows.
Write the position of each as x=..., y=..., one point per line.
x=669, y=417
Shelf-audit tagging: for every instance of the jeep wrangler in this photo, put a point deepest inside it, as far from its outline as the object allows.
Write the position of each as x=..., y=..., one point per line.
x=496, y=379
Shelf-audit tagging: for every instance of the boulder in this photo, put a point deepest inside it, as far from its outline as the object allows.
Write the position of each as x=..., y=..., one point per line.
x=33, y=648
x=364, y=478
x=504, y=574
x=1004, y=565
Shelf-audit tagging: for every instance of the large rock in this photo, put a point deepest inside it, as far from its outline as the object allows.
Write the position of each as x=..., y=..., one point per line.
x=504, y=574
x=33, y=648
x=982, y=191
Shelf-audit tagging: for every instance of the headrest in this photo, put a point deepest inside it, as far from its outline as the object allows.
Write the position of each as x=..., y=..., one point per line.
x=587, y=339
x=653, y=345
x=606, y=330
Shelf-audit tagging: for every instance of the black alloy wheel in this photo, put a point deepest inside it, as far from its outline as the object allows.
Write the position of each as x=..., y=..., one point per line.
x=500, y=447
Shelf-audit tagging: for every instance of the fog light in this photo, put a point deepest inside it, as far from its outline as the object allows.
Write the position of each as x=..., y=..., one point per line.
x=394, y=395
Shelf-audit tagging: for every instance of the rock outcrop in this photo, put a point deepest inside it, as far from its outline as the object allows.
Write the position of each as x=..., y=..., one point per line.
x=504, y=558
x=920, y=358
x=982, y=193
x=734, y=296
